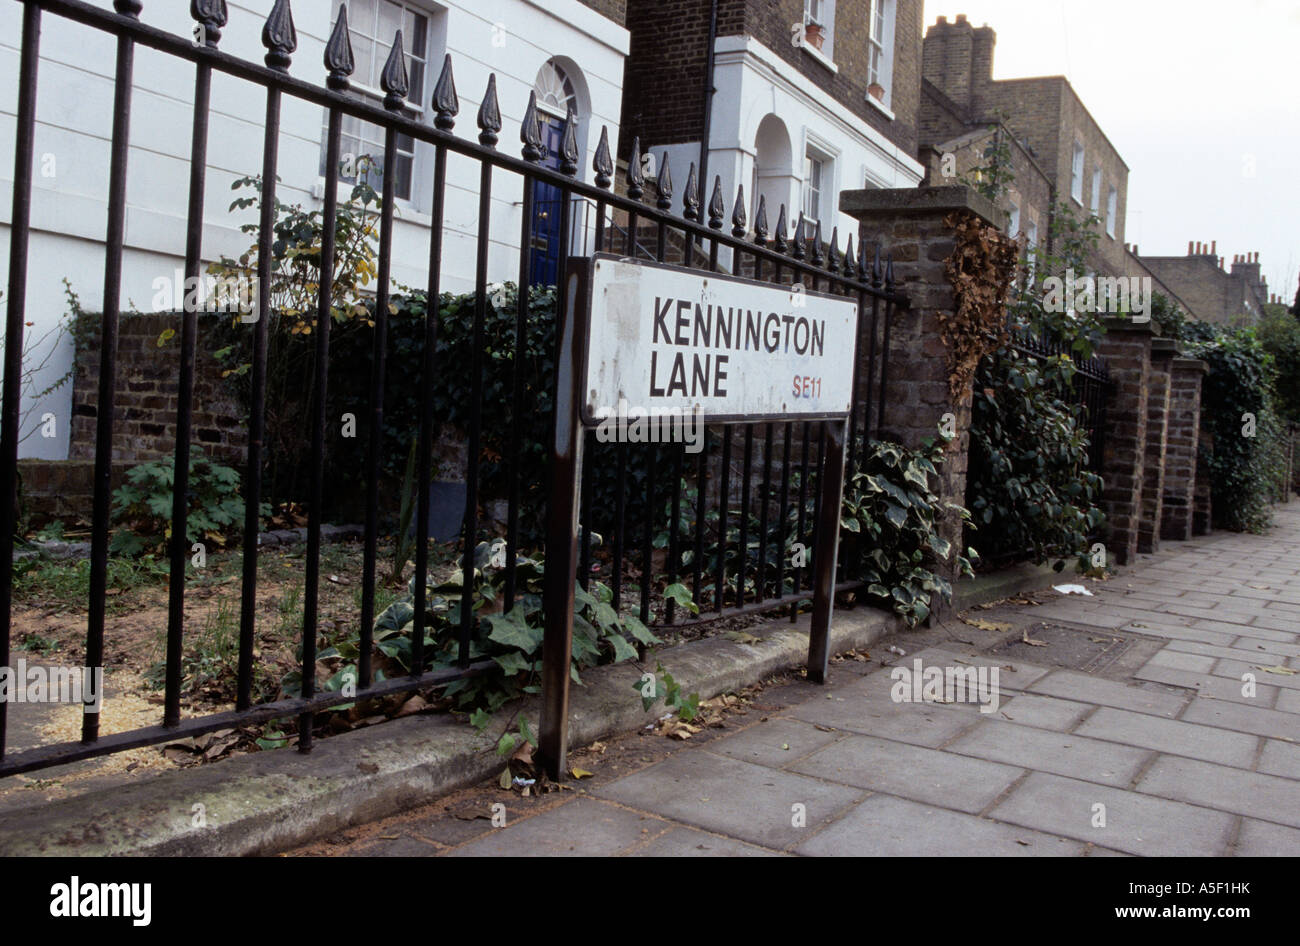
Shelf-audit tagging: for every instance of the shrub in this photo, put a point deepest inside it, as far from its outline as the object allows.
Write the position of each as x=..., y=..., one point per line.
x=143, y=504
x=1029, y=487
x=889, y=529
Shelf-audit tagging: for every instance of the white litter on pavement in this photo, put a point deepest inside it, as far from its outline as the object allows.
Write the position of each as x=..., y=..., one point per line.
x=1072, y=590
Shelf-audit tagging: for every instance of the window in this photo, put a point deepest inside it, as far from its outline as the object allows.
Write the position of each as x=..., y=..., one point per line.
x=554, y=88
x=1031, y=238
x=1095, y=205
x=822, y=14
x=814, y=181
x=1076, y=174
x=1112, y=206
x=1013, y=223
x=372, y=25
x=876, y=44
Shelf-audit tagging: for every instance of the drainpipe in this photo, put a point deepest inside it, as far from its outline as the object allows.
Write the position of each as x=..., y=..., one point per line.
x=705, y=184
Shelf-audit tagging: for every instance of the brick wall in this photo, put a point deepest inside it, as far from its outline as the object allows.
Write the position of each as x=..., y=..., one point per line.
x=1181, y=443
x=910, y=223
x=615, y=10
x=1127, y=348
x=145, y=399
x=1153, y=472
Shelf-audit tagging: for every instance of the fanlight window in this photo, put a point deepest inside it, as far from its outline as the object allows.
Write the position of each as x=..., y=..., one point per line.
x=555, y=92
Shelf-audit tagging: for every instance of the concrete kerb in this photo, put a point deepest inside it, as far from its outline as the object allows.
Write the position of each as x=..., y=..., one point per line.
x=267, y=802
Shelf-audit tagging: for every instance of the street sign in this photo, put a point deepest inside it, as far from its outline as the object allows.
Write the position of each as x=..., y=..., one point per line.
x=664, y=338
x=649, y=340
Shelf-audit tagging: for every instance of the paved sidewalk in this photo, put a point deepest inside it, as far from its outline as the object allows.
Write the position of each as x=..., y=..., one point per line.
x=1124, y=728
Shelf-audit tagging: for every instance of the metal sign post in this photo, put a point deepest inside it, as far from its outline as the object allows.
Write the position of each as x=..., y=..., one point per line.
x=660, y=342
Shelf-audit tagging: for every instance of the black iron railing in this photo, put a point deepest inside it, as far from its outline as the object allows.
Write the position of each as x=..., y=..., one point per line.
x=777, y=465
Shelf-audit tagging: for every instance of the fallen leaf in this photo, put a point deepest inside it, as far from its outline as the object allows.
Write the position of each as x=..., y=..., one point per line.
x=580, y=773
x=1026, y=639
x=1277, y=669
x=988, y=625
x=415, y=704
x=740, y=637
x=506, y=779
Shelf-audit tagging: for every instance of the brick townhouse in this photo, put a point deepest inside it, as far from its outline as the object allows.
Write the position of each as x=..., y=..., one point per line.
x=1208, y=289
x=797, y=99
x=1058, y=150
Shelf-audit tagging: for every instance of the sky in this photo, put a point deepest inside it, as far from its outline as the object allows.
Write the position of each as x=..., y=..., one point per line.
x=1202, y=101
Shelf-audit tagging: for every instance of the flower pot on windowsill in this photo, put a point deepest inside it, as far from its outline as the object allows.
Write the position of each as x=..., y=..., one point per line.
x=814, y=35
x=876, y=91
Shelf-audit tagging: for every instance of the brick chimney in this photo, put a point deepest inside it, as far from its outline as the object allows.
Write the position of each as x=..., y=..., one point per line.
x=958, y=58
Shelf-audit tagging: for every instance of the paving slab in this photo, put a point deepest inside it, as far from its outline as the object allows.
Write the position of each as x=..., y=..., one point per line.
x=1208, y=686
x=1265, y=797
x=1171, y=736
x=583, y=827
x=1180, y=632
x=687, y=842
x=1012, y=674
x=1262, y=671
x=1288, y=701
x=1251, y=719
x=869, y=709
x=1044, y=712
x=924, y=775
x=775, y=743
x=1280, y=758
x=739, y=799
x=1134, y=823
x=1045, y=751
x=1283, y=624
x=1072, y=685
x=1179, y=660
x=883, y=826
x=1262, y=652
x=1262, y=839
x=1258, y=648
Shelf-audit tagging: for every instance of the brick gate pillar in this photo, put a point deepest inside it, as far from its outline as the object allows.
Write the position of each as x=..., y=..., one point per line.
x=909, y=225
x=1181, y=444
x=1163, y=351
x=1127, y=349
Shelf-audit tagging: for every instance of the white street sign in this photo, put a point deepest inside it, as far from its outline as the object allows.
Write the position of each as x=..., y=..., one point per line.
x=666, y=338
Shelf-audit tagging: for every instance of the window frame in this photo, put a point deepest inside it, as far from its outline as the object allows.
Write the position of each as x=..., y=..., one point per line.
x=412, y=106
x=813, y=156
x=1095, y=206
x=1077, y=162
x=1112, y=210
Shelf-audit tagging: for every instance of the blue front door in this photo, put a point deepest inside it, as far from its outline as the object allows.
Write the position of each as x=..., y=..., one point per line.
x=544, y=241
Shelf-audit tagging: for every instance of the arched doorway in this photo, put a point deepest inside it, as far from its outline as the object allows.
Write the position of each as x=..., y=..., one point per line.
x=557, y=90
x=774, y=173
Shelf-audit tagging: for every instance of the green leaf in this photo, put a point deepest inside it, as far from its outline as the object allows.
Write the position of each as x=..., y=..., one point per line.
x=511, y=631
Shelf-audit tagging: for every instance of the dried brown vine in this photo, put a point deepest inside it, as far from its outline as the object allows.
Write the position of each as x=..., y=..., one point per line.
x=980, y=270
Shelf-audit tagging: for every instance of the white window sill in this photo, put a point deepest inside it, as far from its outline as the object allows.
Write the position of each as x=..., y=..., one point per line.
x=880, y=106
x=403, y=209
x=820, y=56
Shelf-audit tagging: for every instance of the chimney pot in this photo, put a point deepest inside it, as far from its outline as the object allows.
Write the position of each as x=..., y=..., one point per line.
x=961, y=17
x=1214, y=247
x=1189, y=247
